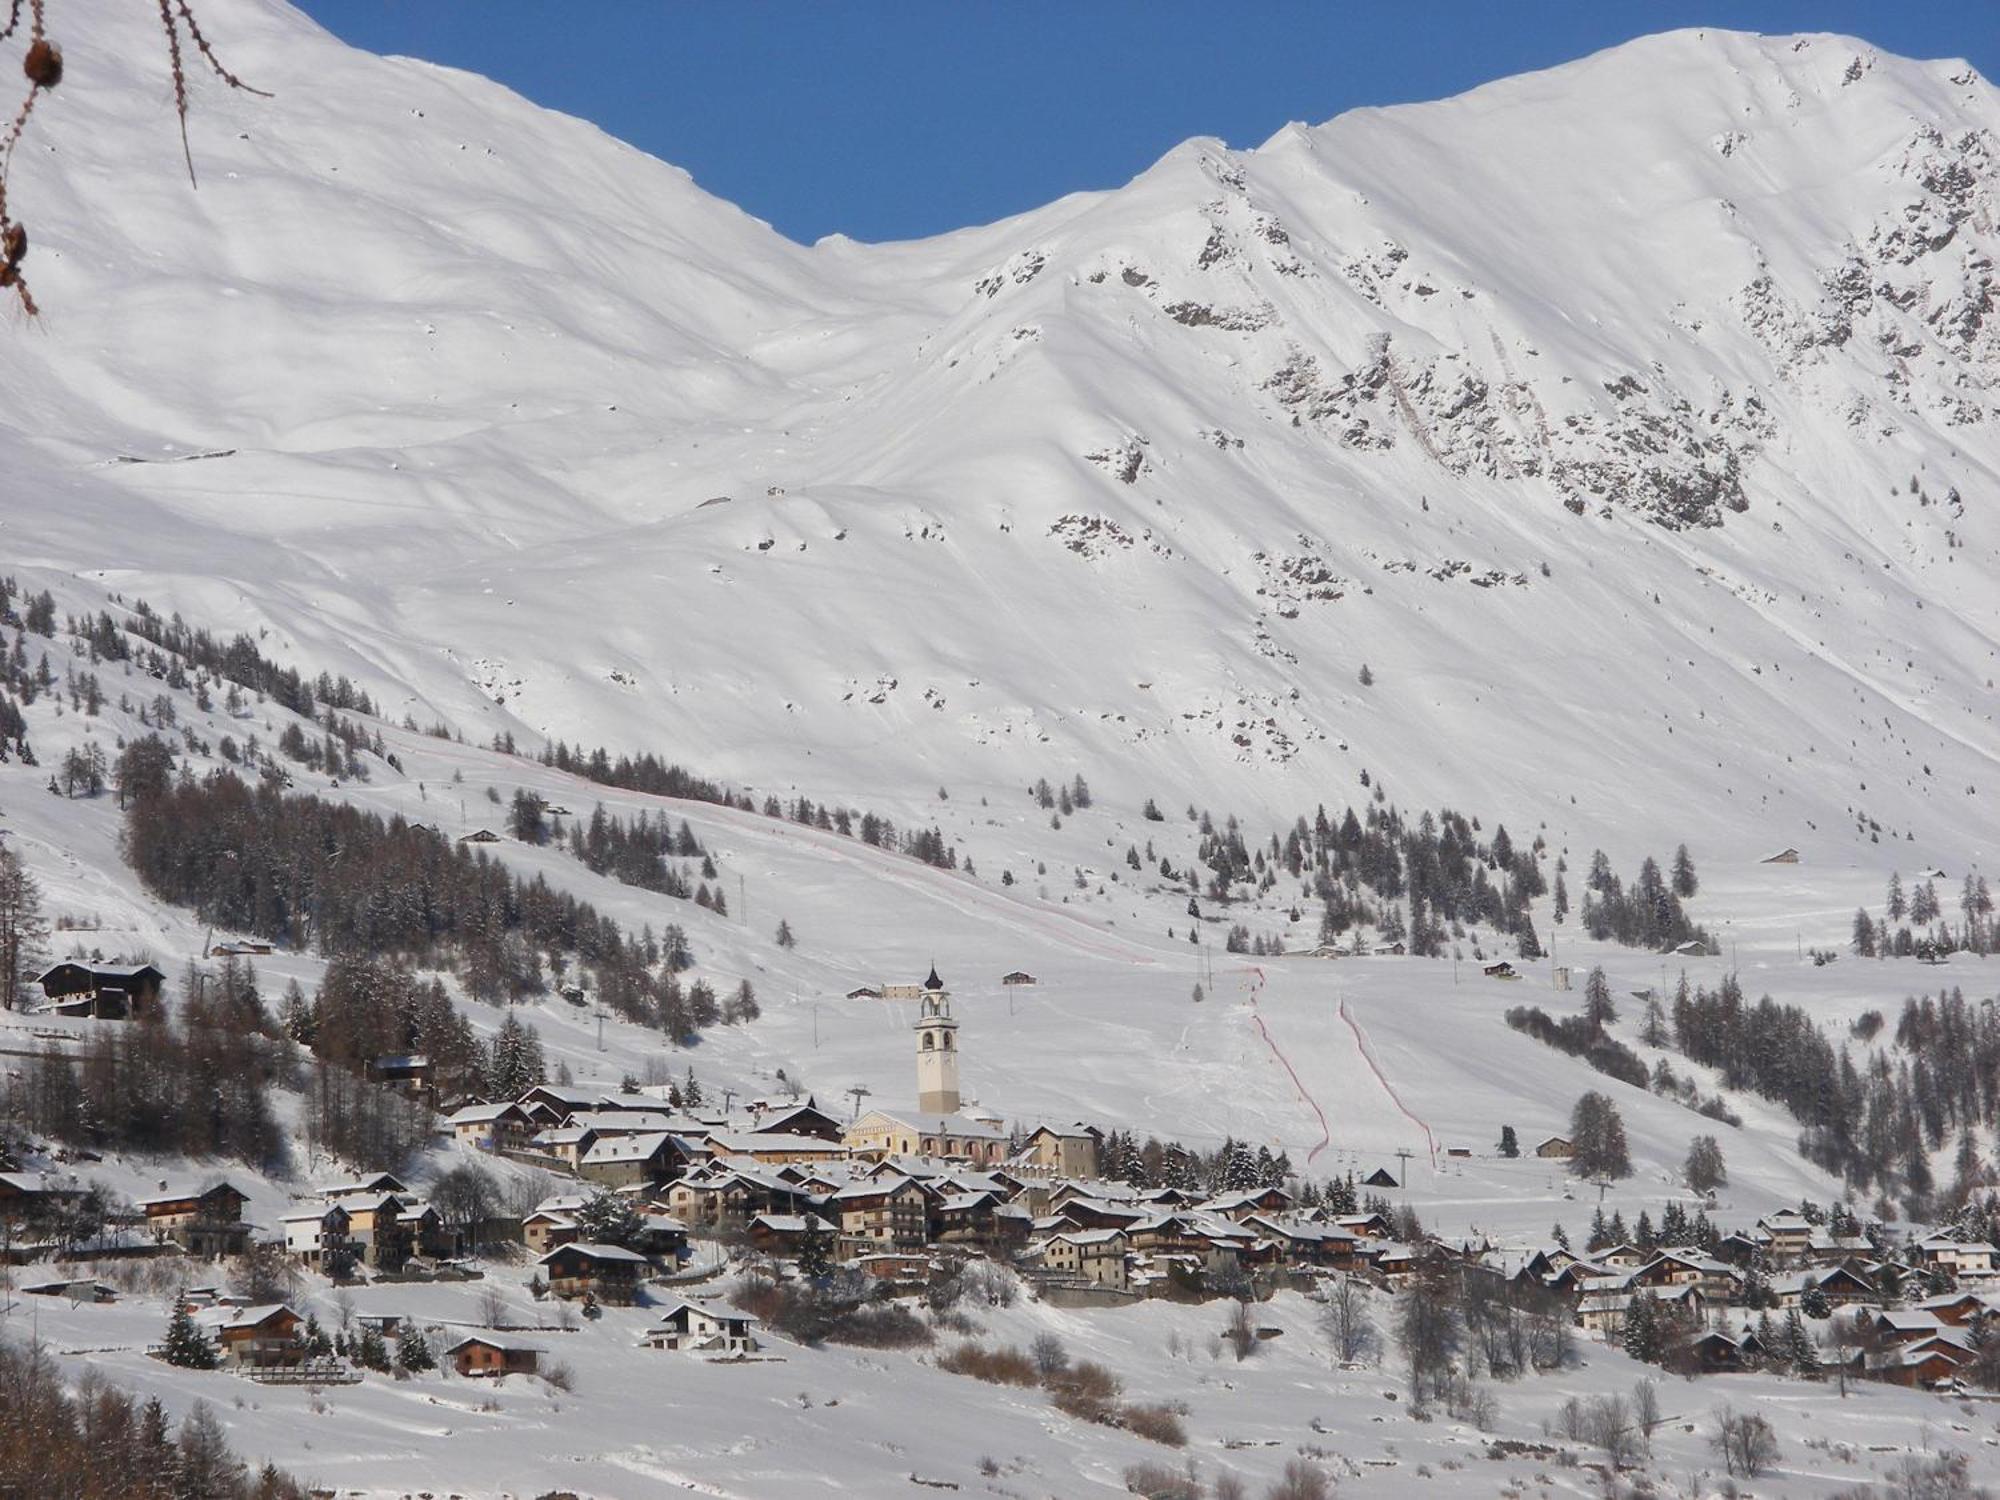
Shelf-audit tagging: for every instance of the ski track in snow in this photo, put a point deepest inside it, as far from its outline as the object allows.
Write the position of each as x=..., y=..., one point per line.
x=1256, y=972
x=1368, y=1056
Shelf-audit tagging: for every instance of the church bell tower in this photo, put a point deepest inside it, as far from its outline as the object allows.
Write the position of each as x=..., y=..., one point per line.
x=937, y=1050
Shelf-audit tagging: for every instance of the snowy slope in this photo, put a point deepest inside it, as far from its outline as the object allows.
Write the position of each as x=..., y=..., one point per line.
x=478, y=367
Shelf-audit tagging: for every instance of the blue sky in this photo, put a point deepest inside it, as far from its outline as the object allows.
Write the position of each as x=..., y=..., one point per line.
x=894, y=119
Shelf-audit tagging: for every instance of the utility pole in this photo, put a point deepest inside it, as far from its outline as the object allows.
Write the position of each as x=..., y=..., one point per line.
x=728, y=1100
x=1403, y=1154
x=743, y=898
x=859, y=1092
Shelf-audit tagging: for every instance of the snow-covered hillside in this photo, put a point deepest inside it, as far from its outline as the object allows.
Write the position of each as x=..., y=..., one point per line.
x=1635, y=414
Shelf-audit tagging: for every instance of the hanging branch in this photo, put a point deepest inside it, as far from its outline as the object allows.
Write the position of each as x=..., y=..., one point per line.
x=43, y=66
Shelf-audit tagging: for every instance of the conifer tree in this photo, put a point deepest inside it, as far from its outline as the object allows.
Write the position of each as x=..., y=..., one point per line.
x=1685, y=881
x=186, y=1345
x=1598, y=1008
x=1644, y=1339
x=413, y=1351
x=609, y=1219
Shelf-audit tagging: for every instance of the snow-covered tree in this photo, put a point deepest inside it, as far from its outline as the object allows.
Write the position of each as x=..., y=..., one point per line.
x=186, y=1345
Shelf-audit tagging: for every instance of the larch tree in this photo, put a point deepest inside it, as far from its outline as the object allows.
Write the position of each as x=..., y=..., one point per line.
x=23, y=931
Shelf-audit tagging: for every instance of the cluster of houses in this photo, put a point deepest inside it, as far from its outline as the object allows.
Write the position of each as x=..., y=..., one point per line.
x=374, y=1222
x=1786, y=1263
x=888, y=1193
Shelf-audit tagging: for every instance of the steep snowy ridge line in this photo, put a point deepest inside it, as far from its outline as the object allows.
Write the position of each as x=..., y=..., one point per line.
x=490, y=504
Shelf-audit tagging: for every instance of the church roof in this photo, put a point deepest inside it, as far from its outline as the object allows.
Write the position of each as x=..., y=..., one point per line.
x=932, y=982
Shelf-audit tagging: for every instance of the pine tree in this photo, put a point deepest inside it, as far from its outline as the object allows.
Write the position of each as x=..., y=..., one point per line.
x=1600, y=1232
x=1510, y=1146
x=1597, y=1136
x=1653, y=1031
x=1685, y=882
x=369, y=1351
x=1643, y=1333
x=1239, y=1167
x=186, y=1345
x=1924, y=904
x=1864, y=933
x=608, y=1219
x=1597, y=1005
x=22, y=929
x=413, y=1351
x=785, y=938
x=1704, y=1168
x=1796, y=1344
x=1896, y=907
x=816, y=1255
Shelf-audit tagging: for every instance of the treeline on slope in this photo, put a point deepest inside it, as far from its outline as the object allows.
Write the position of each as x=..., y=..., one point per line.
x=237, y=660
x=1874, y=1125
x=635, y=852
x=1913, y=925
x=174, y=648
x=333, y=878
x=1423, y=882
x=648, y=773
x=93, y=1441
x=21, y=684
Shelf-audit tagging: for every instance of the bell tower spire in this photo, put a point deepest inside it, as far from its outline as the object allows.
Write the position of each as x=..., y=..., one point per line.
x=937, y=1050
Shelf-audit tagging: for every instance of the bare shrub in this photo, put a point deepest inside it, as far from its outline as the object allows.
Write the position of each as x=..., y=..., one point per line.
x=1002, y=1366
x=560, y=1376
x=1241, y=1331
x=1347, y=1323
x=1157, y=1482
x=1746, y=1442
x=1302, y=1480
x=883, y=1325
x=1085, y=1390
x=1155, y=1423
x=492, y=1307
x=1049, y=1354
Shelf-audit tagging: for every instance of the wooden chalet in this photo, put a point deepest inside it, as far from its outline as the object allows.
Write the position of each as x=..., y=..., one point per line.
x=260, y=1338
x=890, y=1213
x=486, y=1354
x=609, y=1273
x=800, y=1119
x=107, y=992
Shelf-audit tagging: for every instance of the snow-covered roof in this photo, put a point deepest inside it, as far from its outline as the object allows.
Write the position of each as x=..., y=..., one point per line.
x=593, y=1251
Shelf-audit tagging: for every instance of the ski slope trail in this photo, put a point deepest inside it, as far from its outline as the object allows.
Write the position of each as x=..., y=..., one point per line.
x=1368, y=1056
x=1256, y=973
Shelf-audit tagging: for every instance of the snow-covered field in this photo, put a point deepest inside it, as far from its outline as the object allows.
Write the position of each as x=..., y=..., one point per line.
x=1130, y=487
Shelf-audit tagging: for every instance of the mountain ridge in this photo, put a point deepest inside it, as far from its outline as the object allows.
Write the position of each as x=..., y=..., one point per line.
x=1243, y=425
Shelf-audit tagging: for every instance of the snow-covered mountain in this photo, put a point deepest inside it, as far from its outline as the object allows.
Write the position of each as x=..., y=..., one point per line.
x=1635, y=423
